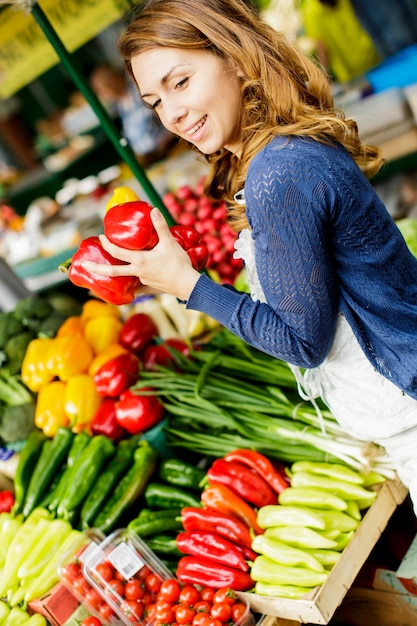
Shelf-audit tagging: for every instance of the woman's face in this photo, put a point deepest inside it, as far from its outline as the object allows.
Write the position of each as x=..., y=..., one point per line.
x=196, y=95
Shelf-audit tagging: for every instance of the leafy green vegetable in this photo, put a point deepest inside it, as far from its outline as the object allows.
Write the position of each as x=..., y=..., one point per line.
x=9, y=326
x=32, y=310
x=49, y=327
x=15, y=350
x=16, y=422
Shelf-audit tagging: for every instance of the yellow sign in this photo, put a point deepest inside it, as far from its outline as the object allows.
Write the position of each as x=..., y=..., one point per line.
x=25, y=52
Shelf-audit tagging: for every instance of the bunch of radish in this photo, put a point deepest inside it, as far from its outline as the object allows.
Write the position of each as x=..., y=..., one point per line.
x=190, y=207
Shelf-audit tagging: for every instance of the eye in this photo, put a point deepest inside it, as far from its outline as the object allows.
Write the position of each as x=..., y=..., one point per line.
x=152, y=105
x=181, y=83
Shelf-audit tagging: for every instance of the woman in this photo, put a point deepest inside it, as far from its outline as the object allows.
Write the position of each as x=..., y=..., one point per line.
x=334, y=287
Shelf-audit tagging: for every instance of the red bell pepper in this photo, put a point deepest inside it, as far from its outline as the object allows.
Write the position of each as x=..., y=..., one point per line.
x=242, y=481
x=105, y=423
x=203, y=543
x=136, y=413
x=227, y=526
x=137, y=332
x=116, y=375
x=221, y=498
x=112, y=289
x=129, y=225
x=261, y=464
x=162, y=354
x=207, y=573
x=6, y=501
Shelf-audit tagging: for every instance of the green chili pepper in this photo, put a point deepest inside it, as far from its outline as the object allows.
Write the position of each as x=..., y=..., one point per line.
x=163, y=544
x=292, y=592
x=278, y=515
x=156, y=522
x=54, y=453
x=10, y=526
x=284, y=554
x=4, y=611
x=181, y=474
x=84, y=473
x=327, y=557
x=79, y=443
x=311, y=497
x=107, y=480
x=300, y=537
x=268, y=571
x=338, y=520
x=353, y=510
x=345, y=490
x=332, y=470
x=342, y=539
x=129, y=488
x=27, y=461
x=160, y=496
x=44, y=549
x=17, y=616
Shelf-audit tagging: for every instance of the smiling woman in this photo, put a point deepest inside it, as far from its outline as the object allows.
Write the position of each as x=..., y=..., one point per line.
x=333, y=284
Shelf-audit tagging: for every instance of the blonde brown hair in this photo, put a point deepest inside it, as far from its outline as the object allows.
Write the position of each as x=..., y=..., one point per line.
x=283, y=91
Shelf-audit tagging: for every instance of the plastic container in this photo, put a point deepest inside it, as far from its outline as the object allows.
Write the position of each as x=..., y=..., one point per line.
x=119, y=558
x=72, y=576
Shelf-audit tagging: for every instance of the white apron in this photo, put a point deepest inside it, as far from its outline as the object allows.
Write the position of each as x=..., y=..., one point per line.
x=365, y=403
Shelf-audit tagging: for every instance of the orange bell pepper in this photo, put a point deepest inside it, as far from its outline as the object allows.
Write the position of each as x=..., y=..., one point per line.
x=82, y=401
x=109, y=353
x=73, y=325
x=95, y=308
x=34, y=370
x=69, y=355
x=102, y=331
x=50, y=408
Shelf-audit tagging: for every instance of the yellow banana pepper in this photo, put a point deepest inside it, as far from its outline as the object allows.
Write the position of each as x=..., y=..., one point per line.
x=120, y=196
x=69, y=355
x=95, y=308
x=34, y=371
x=81, y=401
x=110, y=352
x=73, y=325
x=50, y=408
x=102, y=331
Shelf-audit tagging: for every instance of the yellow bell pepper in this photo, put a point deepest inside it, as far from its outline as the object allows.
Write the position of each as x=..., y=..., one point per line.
x=81, y=401
x=110, y=352
x=120, y=196
x=50, y=408
x=69, y=355
x=73, y=325
x=102, y=331
x=94, y=308
x=34, y=371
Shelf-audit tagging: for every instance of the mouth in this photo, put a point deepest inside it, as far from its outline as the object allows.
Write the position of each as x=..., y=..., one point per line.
x=195, y=128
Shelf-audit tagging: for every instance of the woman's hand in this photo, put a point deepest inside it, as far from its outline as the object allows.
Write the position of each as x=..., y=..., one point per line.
x=164, y=269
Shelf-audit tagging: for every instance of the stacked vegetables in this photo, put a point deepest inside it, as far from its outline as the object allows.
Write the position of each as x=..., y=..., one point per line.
x=306, y=531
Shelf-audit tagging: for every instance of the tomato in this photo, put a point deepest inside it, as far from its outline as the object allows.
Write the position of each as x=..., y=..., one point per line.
x=207, y=593
x=81, y=585
x=221, y=611
x=115, y=587
x=201, y=619
x=105, y=571
x=170, y=590
x=148, y=598
x=134, y=590
x=91, y=620
x=153, y=583
x=202, y=606
x=215, y=622
x=164, y=612
x=184, y=614
x=106, y=612
x=150, y=612
x=70, y=571
x=132, y=610
x=93, y=598
x=238, y=611
x=224, y=594
x=144, y=572
x=189, y=595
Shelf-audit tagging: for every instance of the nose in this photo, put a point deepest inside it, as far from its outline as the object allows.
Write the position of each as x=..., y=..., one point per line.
x=174, y=112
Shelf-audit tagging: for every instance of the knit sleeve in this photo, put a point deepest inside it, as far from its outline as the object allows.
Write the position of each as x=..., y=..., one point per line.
x=287, y=207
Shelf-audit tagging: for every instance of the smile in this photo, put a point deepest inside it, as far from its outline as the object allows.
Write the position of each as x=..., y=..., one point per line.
x=195, y=128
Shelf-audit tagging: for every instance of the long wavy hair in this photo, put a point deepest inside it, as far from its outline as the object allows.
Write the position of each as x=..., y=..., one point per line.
x=283, y=91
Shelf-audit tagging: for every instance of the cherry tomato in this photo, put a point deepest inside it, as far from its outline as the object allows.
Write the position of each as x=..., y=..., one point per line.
x=153, y=583
x=221, y=611
x=93, y=598
x=134, y=590
x=115, y=587
x=91, y=620
x=81, y=585
x=165, y=612
x=224, y=594
x=144, y=572
x=201, y=619
x=132, y=610
x=148, y=598
x=70, y=571
x=106, y=612
x=202, y=606
x=238, y=611
x=150, y=611
x=189, y=595
x=170, y=590
x=105, y=571
x=184, y=614
x=207, y=593
x=214, y=622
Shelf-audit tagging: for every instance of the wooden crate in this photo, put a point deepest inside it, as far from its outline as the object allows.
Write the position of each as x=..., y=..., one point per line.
x=319, y=606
